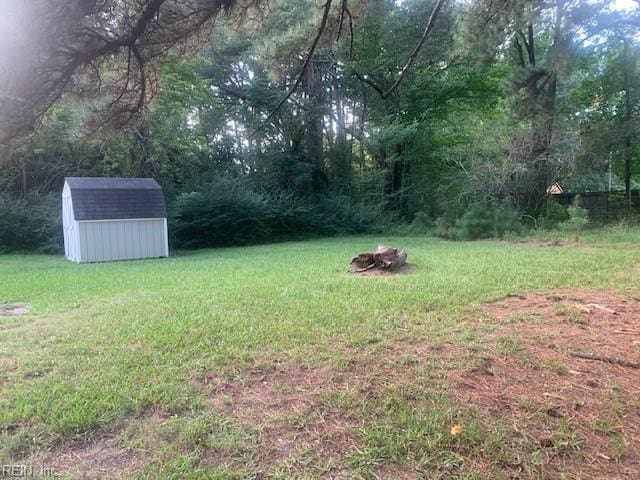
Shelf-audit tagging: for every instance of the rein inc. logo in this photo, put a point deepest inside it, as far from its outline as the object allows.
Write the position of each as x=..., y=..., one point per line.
x=27, y=471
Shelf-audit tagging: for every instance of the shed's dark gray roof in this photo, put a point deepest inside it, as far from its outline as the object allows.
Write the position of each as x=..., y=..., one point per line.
x=96, y=198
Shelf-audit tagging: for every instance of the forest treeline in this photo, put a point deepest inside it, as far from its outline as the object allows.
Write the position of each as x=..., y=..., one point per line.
x=498, y=105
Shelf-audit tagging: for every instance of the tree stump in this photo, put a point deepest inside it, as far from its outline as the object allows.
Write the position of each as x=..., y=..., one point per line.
x=383, y=258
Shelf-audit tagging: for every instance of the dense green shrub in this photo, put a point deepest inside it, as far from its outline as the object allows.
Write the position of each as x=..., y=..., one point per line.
x=553, y=214
x=230, y=212
x=482, y=219
x=421, y=224
x=30, y=224
x=578, y=219
x=222, y=215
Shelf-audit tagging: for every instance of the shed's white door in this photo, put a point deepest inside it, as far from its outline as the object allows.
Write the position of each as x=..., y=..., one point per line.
x=69, y=230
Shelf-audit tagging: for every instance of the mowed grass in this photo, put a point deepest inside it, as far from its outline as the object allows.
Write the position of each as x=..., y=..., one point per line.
x=107, y=345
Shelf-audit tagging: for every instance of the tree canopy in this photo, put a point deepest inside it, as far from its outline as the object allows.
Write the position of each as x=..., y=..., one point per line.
x=329, y=117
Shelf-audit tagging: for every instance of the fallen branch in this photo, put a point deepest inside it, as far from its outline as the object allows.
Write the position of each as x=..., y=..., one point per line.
x=583, y=308
x=600, y=358
x=597, y=306
x=368, y=267
x=626, y=332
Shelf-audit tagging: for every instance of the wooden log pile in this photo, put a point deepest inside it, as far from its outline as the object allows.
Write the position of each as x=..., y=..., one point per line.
x=383, y=258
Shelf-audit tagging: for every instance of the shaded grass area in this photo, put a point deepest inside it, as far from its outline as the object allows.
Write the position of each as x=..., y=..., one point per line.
x=107, y=345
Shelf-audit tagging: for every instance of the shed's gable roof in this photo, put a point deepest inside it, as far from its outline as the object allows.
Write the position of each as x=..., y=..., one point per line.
x=97, y=198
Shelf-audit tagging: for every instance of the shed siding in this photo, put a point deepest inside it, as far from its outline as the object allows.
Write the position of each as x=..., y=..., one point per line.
x=70, y=227
x=74, y=249
x=84, y=240
x=103, y=241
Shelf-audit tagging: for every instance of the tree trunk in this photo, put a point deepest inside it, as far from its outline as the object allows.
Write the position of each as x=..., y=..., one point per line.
x=363, y=119
x=24, y=178
x=314, y=126
x=544, y=119
x=627, y=119
x=342, y=155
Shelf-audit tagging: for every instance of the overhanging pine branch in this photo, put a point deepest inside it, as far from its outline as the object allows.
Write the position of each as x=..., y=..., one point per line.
x=412, y=56
x=305, y=65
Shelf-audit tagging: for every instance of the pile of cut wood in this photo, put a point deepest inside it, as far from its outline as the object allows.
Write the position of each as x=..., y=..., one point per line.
x=383, y=259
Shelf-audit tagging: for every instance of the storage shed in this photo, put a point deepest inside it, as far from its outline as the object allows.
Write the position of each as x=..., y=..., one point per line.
x=107, y=219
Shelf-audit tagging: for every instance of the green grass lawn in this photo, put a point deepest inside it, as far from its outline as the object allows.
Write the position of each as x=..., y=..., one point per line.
x=119, y=351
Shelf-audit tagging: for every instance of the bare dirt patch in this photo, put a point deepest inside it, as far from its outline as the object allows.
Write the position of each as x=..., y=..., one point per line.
x=583, y=414
x=99, y=459
x=296, y=410
x=283, y=404
x=102, y=457
x=553, y=243
x=14, y=309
